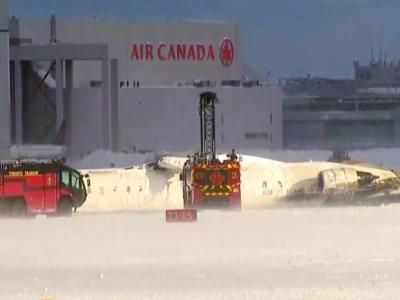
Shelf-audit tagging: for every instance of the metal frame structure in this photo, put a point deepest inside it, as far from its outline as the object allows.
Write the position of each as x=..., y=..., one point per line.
x=207, y=124
x=62, y=55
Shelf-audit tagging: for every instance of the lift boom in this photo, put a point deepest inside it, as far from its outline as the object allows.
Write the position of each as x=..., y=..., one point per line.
x=207, y=125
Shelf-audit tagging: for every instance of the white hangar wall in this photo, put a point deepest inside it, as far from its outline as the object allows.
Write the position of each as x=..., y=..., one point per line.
x=152, y=52
x=166, y=119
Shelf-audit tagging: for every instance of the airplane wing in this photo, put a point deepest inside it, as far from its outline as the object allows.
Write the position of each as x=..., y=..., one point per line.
x=173, y=164
x=373, y=179
x=344, y=180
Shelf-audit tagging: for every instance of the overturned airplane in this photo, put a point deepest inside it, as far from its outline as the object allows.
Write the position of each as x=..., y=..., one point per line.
x=157, y=186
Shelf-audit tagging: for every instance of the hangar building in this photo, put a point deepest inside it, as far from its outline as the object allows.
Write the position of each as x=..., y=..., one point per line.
x=131, y=86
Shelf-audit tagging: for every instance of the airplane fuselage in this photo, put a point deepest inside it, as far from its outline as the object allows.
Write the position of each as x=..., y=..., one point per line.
x=263, y=182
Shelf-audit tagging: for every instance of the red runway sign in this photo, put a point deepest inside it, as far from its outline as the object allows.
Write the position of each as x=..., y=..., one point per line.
x=181, y=215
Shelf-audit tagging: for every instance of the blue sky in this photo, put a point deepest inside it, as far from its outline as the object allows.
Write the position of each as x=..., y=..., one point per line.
x=285, y=37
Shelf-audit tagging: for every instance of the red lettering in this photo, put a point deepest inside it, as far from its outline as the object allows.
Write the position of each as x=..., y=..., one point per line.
x=201, y=52
x=159, y=51
x=134, y=53
x=149, y=51
x=171, y=53
x=181, y=51
x=141, y=51
x=191, y=53
x=210, y=53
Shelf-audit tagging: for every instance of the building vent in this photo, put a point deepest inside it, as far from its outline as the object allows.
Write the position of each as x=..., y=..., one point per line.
x=230, y=83
x=95, y=83
x=204, y=83
x=256, y=135
x=251, y=83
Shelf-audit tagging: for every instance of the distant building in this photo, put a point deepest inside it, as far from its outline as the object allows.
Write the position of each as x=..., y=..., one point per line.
x=380, y=72
x=360, y=113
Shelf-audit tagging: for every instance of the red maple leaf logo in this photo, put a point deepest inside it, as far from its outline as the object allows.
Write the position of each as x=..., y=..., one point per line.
x=226, y=52
x=217, y=178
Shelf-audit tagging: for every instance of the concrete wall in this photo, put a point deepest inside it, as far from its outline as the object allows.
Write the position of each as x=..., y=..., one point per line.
x=121, y=35
x=166, y=119
x=86, y=119
x=5, y=131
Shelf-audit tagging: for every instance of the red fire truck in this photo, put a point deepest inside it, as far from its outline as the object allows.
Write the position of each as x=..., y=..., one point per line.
x=39, y=187
x=207, y=181
x=215, y=184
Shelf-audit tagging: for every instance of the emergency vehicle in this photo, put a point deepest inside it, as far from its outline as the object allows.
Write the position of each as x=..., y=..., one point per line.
x=207, y=181
x=34, y=187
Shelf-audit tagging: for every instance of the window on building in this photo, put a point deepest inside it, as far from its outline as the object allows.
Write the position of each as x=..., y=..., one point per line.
x=256, y=135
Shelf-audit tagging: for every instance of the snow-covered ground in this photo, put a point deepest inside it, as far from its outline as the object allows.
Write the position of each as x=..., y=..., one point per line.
x=281, y=253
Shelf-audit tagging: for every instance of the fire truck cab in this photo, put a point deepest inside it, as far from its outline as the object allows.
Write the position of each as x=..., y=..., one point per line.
x=38, y=187
x=207, y=181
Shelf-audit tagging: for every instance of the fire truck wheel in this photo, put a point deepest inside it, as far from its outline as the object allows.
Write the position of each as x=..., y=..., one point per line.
x=65, y=207
x=18, y=208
